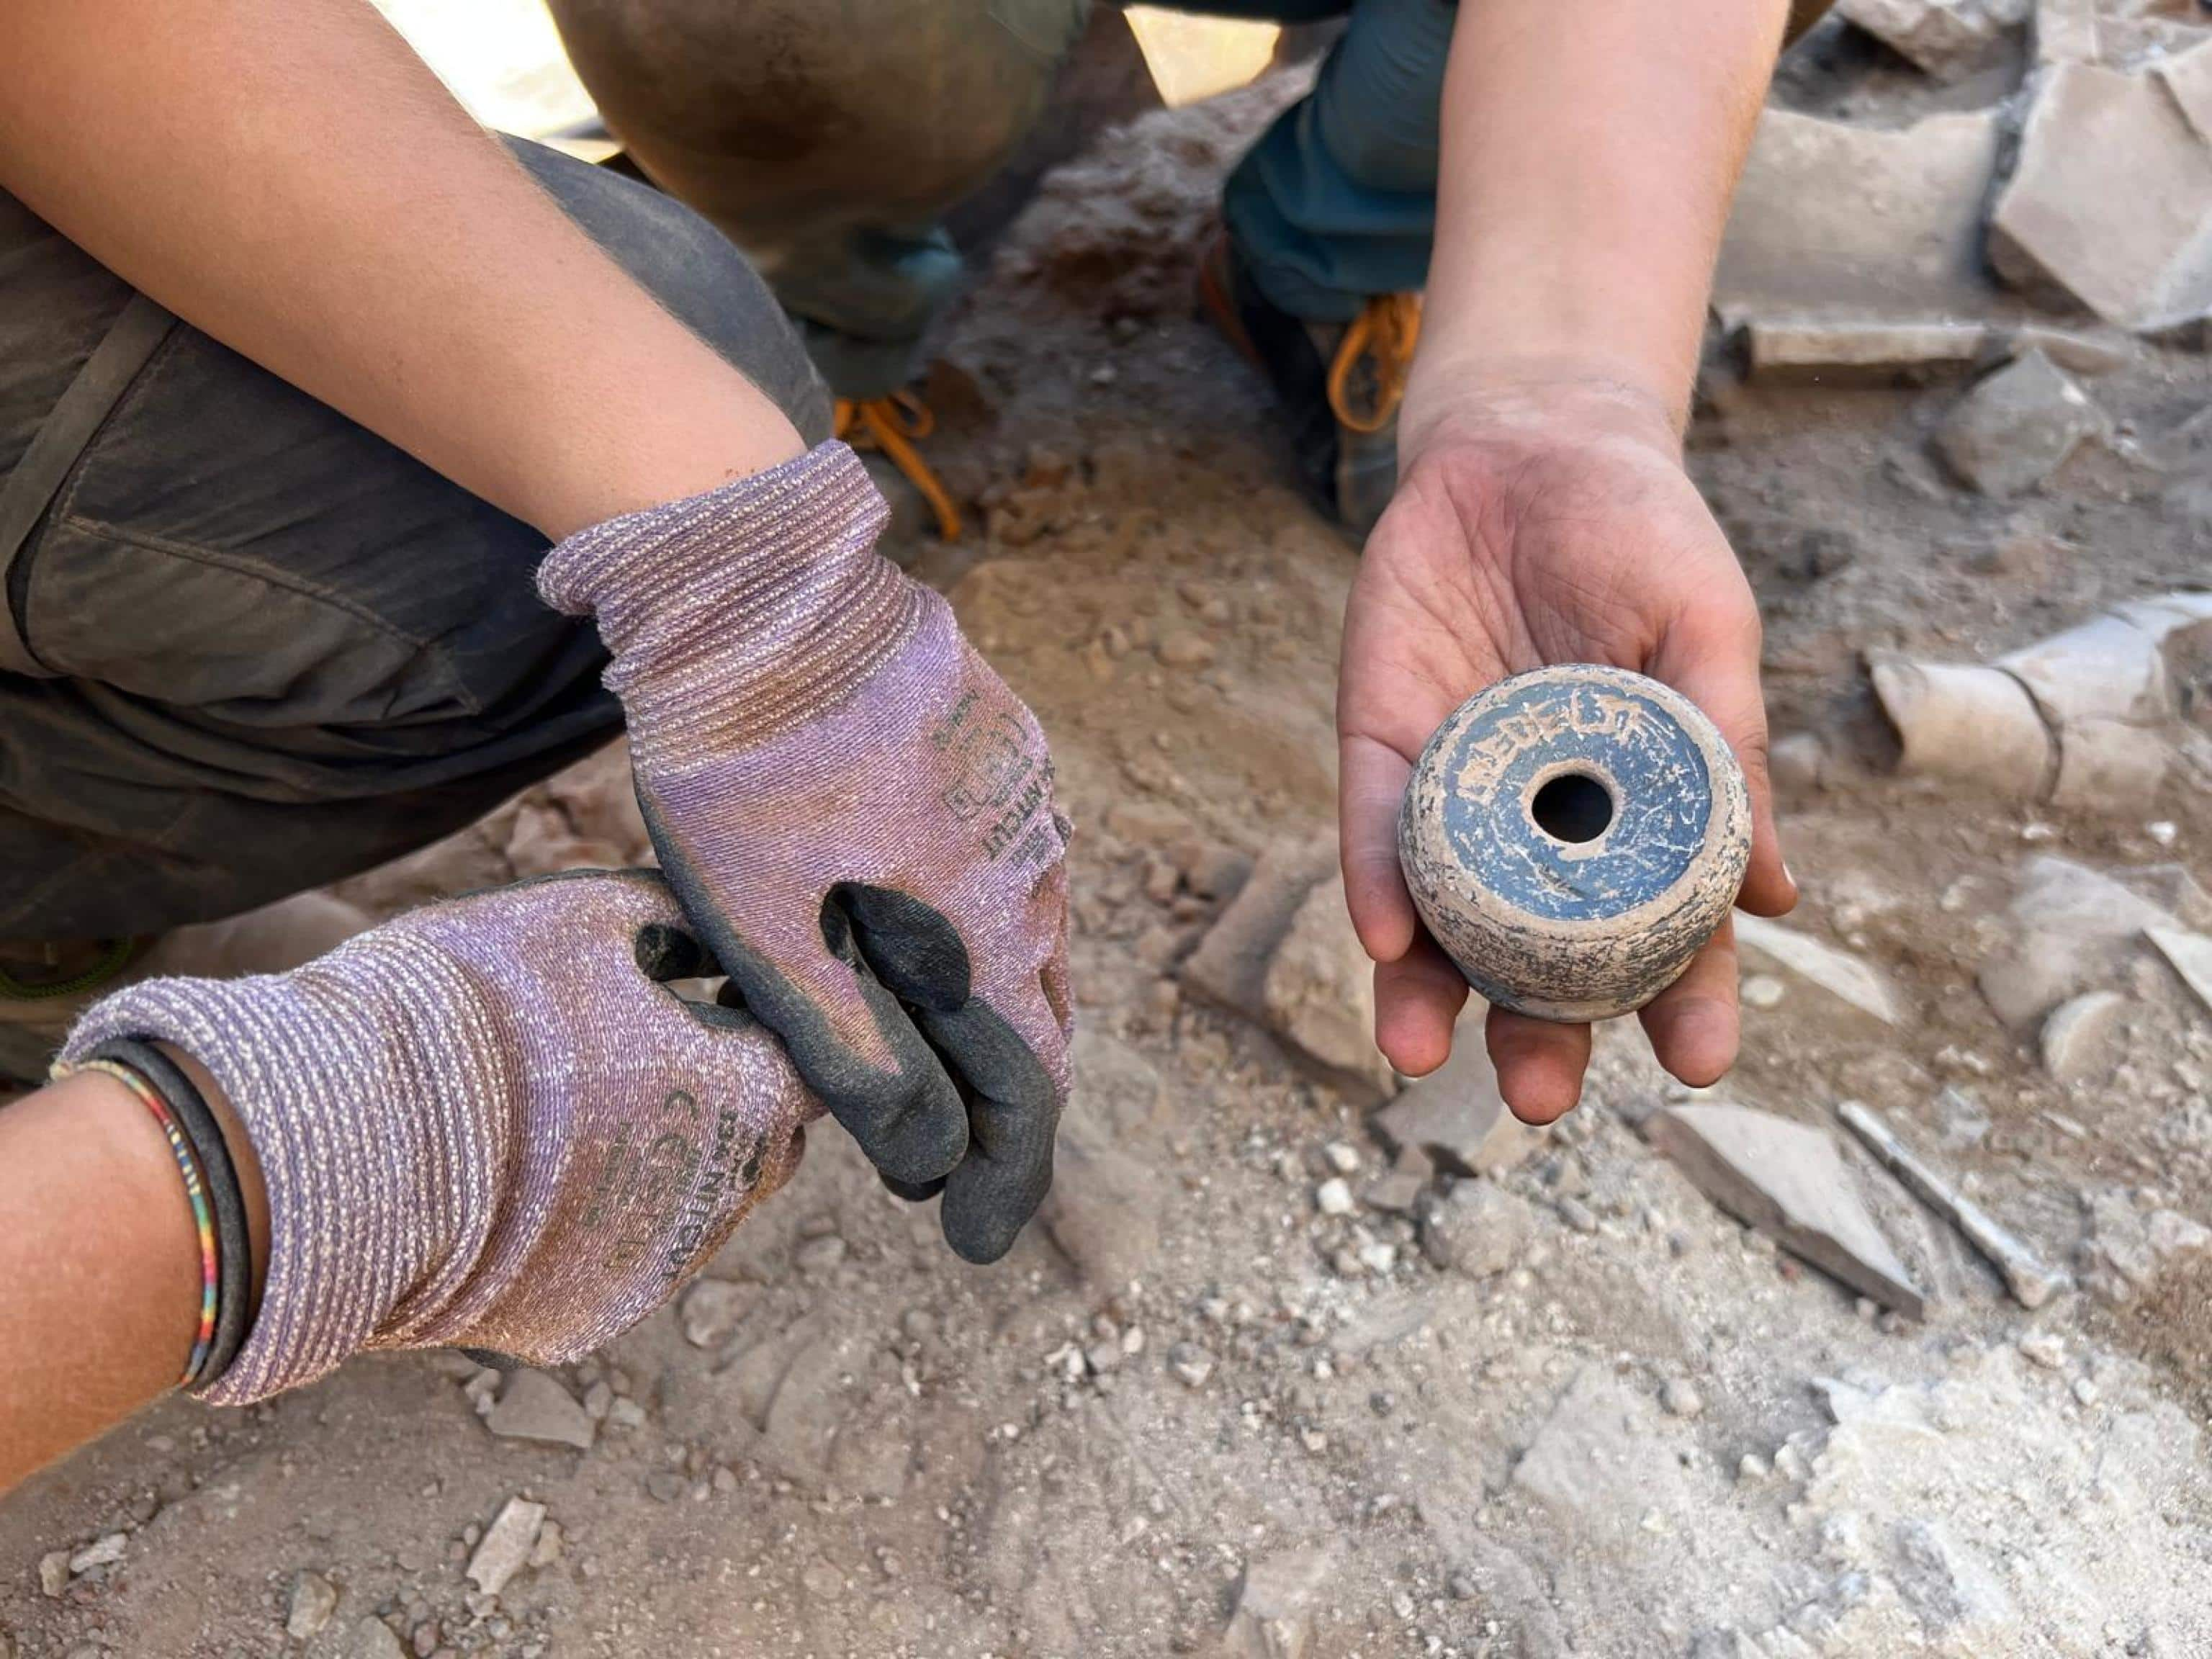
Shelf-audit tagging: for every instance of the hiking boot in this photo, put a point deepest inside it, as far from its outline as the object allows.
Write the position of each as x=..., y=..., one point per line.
x=1340, y=384
x=43, y=989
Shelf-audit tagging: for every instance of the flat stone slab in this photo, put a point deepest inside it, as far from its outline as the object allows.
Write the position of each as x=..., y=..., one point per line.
x=2191, y=953
x=2110, y=200
x=1229, y=966
x=506, y=1546
x=2017, y=427
x=1320, y=995
x=1455, y=1114
x=534, y=1407
x=1848, y=225
x=1787, y=1181
x=1946, y=39
x=1842, y=975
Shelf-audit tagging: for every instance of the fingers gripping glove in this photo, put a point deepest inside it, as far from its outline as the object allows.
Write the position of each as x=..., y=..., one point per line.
x=858, y=815
x=482, y=1125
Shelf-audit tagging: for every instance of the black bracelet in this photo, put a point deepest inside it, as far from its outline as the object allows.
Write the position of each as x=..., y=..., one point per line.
x=233, y=1245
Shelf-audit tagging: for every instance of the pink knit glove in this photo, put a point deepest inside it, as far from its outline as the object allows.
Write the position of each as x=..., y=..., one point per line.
x=858, y=816
x=482, y=1125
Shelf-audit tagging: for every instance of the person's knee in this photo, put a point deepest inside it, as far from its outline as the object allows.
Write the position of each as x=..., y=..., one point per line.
x=782, y=119
x=1378, y=106
x=694, y=271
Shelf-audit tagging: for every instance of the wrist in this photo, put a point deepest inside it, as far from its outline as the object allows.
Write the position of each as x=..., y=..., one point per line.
x=1572, y=399
x=305, y=1063
x=729, y=611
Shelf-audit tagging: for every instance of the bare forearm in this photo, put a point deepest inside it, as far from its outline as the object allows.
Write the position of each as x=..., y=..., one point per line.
x=1589, y=150
x=98, y=1244
x=288, y=177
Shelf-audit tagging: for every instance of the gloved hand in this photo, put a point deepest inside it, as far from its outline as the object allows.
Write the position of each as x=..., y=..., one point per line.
x=858, y=815
x=482, y=1125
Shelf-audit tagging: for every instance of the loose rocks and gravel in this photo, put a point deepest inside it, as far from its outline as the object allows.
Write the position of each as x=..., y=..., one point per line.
x=1553, y=1403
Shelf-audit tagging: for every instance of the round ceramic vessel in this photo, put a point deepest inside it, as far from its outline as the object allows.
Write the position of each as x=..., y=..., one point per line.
x=1571, y=835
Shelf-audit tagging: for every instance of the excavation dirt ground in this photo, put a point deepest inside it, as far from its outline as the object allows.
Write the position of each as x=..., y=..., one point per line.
x=1209, y=1407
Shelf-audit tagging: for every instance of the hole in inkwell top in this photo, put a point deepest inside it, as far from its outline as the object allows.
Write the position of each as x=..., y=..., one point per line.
x=1573, y=807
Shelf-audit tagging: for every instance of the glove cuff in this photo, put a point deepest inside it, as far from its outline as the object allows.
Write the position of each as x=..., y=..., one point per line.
x=313, y=1063
x=737, y=614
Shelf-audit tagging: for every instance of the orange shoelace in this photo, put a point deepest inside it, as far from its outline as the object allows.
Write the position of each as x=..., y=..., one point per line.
x=893, y=425
x=1383, y=335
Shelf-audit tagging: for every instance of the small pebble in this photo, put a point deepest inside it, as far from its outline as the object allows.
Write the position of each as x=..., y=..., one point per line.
x=818, y=1256
x=2045, y=1348
x=1333, y=1197
x=1680, y=1398
x=1191, y=1365
x=1762, y=991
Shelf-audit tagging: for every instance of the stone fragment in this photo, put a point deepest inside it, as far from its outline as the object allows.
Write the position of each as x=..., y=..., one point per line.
x=372, y=1638
x=534, y=1407
x=1230, y=967
x=1828, y=350
x=1964, y=720
x=2045, y=1348
x=2065, y=32
x=2187, y=79
x=1456, y=1116
x=314, y=1599
x=1394, y=1194
x=2072, y=925
x=507, y=1544
x=1859, y=228
x=1787, y=1181
x=1210, y=870
x=53, y=1572
x=2077, y=1034
x=103, y=1552
x=1192, y=1365
x=1947, y=38
x=2017, y=427
x=547, y=1550
x=1320, y=995
x=1839, y=973
x=544, y=840
x=1679, y=1397
x=2190, y=954
x=818, y=1256
x=1477, y=1228
x=1103, y=1210
x=1275, y=1606
x=2126, y=1251
x=2078, y=352
x=1595, y=1462
x=1149, y=822
x=2110, y=200
x=599, y=796
x=1333, y=1197
x=1762, y=991
x=710, y=1312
